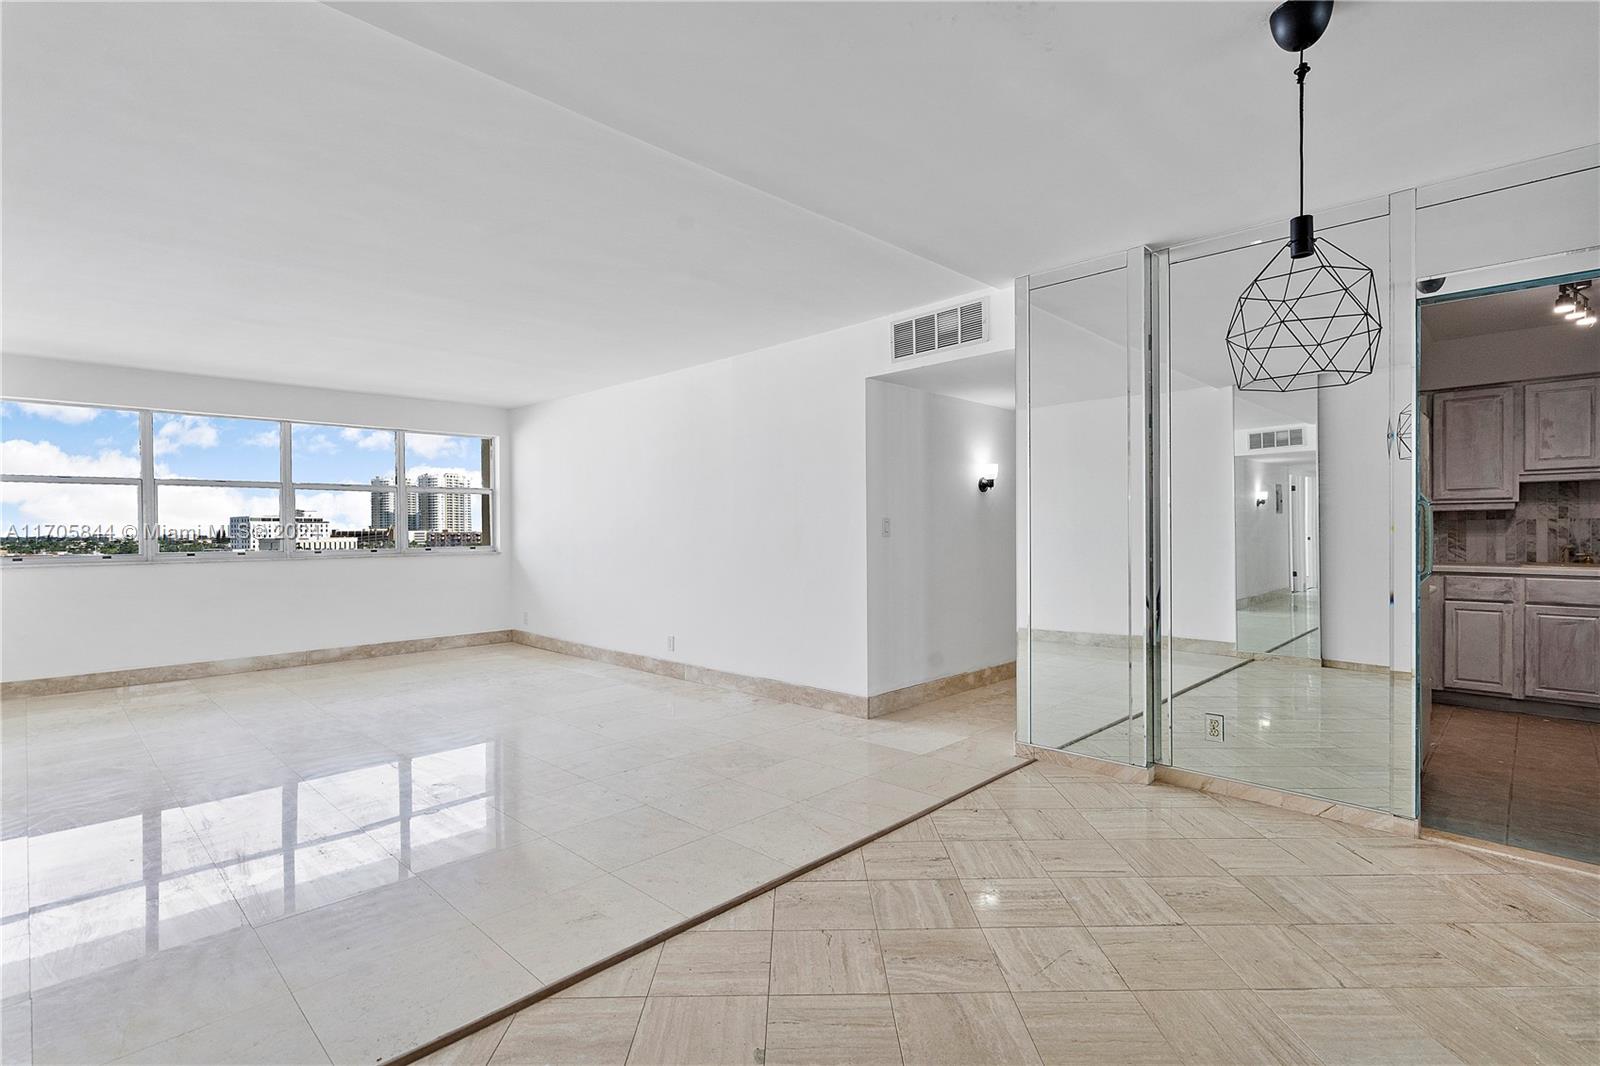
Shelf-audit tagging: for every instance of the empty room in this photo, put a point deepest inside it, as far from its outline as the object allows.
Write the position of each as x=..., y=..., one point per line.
x=654, y=533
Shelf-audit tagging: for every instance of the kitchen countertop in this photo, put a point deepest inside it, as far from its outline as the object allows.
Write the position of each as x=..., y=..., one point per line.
x=1579, y=570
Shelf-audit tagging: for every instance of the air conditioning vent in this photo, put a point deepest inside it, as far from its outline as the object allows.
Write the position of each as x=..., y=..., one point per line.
x=1278, y=438
x=902, y=340
x=949, y=328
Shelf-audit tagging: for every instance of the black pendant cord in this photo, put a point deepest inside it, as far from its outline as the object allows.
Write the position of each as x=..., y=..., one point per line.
x=1302, y=236
x=1300, y=73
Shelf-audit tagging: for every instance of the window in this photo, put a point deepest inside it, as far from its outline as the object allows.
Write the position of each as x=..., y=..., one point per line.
x=69, y=481
x=86, y=483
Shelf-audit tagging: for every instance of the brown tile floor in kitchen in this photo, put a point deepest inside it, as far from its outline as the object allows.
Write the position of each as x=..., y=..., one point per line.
x=1055, y=917
x=1518, y=779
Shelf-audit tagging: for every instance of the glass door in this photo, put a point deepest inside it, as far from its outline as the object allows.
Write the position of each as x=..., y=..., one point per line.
x=1086, y=596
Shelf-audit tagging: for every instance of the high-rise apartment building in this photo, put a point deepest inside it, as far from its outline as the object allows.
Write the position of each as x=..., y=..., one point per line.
x=383, y=506
x=448, y=512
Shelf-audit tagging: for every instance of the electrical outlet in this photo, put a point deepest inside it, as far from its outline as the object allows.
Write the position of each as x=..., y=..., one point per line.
x=524, y=617
x=1213, y=728
x=885, y=527
x=672, y=643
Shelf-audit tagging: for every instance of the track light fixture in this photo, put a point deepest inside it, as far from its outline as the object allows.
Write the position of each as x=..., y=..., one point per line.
x=1572, y=303
x=1310, y=319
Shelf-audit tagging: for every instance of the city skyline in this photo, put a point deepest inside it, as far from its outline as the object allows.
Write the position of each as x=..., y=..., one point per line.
x=65, y=440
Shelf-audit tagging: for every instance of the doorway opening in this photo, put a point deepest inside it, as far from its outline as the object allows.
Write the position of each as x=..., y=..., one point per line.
x=1508, y=450
x=942, y=534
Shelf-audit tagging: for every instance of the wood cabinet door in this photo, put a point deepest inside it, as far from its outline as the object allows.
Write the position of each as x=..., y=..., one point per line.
x=1480, y=647
x=1561, y=425
x=1563, y=649
x=1474, y=445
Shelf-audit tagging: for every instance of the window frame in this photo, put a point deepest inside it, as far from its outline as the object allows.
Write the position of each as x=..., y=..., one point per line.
x=148, y=487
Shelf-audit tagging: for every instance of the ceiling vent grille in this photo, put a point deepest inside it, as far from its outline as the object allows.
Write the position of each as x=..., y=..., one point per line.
x=1277, y=438
x=949, y=328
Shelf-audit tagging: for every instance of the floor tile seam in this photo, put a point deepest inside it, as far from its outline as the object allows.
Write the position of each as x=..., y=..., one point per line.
x=560, y=984
x=294, y=997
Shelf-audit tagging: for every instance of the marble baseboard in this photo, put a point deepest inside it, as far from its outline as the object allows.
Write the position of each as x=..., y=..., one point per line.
x=783, y=691
x=1122, y=640
x=1244, y=603
x=1364, y=668
x=1292, y=801
x=901, y=698
x=1508, y=851
x=1082, y=640
x=1116, y=771
x=151, y=675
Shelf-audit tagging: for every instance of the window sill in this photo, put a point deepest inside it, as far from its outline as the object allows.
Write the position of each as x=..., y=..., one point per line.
x=11, y=565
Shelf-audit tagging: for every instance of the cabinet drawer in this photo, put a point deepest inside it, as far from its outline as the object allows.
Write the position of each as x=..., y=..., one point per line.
x=1482, y=589
x=1568, y=591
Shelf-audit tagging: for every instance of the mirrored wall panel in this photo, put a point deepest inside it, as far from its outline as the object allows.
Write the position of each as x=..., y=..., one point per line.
x=1276, y=522
x=1086, y=636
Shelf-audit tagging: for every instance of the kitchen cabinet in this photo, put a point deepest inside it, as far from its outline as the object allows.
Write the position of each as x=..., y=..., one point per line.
x=1534, y=637
x=1562, y=654
x=1480, y=647
x=1475, y=446
x=1561, y=426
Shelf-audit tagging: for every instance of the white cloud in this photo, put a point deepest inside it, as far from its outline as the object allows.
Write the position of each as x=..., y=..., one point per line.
x=109, y=507
x=369, y=439
x=428, y=446
x=43, y=457
x=412, y=473
x=72, y=416
x=346, y=510
x=185, y=431
x=267, y=438
x=204, y=509
x=316, y=444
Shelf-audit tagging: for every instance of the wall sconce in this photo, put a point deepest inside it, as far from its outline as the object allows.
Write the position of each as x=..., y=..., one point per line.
x=1261, y=499
x=986, y=475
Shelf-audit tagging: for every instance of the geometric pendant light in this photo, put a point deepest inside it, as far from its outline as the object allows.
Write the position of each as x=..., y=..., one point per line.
x=1310, y=319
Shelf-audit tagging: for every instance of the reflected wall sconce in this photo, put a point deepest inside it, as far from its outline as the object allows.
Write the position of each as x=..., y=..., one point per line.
x=1261, y=499
x=986, y=475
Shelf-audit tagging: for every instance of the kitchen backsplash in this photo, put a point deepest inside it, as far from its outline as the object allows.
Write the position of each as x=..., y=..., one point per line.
x=1554, y=521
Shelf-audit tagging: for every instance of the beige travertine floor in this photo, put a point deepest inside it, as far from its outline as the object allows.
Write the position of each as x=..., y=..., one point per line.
x=346, y=861
x=1053, y=917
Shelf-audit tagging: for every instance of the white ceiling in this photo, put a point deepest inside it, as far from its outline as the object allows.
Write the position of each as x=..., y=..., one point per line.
x=1500, y=312
x=989, y=379
x=507, y=202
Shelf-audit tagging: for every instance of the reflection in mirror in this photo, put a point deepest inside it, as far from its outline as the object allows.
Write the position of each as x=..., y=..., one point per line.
x=1276, y=536
x=1275, y=525
x=1086, y=571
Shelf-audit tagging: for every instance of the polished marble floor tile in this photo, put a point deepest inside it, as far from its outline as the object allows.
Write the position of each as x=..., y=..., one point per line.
x=830, y=1031
x=570, y=1031
x=963, y=1029
x=702, y=963
x=700, y=1031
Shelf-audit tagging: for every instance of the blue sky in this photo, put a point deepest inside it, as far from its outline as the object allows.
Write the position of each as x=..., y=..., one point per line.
x=87, y=441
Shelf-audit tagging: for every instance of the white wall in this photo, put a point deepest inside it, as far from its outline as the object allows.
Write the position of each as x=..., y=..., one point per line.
x=58, y=620
x=1200, y=593
x=1263, y=532
x=1080, y=549
x=941, y=587
x=723, y=505
x=1515, y=355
